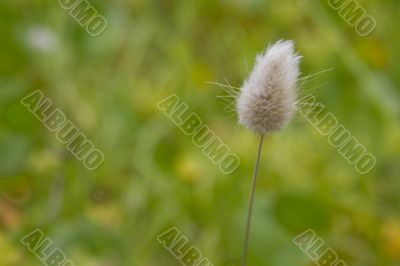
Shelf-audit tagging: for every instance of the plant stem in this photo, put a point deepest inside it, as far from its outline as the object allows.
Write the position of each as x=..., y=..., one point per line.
x=253, y=188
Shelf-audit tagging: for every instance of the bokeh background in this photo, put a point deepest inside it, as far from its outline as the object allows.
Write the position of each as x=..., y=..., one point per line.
x=153, y=177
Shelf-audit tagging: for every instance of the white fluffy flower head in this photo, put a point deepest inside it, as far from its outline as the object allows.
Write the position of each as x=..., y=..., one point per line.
x=267, y=99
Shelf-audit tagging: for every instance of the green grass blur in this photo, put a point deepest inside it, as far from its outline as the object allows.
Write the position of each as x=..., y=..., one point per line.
x=153, y=177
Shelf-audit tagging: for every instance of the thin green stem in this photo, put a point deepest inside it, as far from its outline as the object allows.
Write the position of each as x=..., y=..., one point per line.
x=249, y=214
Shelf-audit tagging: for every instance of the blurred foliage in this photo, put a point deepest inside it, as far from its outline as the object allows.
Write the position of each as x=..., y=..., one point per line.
x=153, y=177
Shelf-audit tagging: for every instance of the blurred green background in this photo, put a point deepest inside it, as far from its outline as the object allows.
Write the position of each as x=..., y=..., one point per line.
x=153, y=177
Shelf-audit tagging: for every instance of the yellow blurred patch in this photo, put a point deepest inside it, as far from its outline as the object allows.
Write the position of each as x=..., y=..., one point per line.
x=43, y=161
x=374, y=53
x=9, y=254
x=188, y=169
x=391, y=237
x=105, y=215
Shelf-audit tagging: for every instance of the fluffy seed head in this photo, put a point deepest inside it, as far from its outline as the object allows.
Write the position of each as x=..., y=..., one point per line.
x=267, y=99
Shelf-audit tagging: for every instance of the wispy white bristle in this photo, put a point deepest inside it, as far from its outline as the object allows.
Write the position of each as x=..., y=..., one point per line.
x=267, y=99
